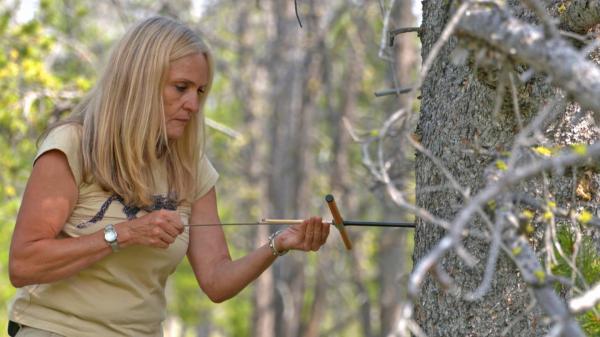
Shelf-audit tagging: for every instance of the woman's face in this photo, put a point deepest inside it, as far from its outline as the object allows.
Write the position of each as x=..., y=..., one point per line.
x=186, y=80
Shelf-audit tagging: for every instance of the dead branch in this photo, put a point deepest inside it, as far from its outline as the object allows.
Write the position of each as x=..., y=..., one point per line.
x=566, y=66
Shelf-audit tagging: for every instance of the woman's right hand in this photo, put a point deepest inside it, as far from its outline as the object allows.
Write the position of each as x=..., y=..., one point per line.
x=156, y=229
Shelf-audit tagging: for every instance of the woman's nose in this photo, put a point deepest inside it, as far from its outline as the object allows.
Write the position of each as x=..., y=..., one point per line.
x=191, y=103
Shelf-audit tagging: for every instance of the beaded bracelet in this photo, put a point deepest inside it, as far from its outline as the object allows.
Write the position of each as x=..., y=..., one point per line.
x=272, y=244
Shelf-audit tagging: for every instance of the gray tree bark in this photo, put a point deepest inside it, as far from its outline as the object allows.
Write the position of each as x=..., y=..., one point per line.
x=457, y=113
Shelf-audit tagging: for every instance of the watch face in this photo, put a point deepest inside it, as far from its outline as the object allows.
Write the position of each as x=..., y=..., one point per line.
x=110, y=235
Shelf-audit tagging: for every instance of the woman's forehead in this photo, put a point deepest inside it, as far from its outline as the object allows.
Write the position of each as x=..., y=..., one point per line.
x=191, y=68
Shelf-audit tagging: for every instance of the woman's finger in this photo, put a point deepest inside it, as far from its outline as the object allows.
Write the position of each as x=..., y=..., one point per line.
x=163, y=236
x=318, y=230
x=309, y=233
x=171, y=228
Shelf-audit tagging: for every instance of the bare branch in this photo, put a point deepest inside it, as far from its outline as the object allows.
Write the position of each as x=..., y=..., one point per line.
x=546, y=19
x=392, y=33
x=224, y=129
x=386, y=20
x=490, y=267
x=567, y=67
x=515, y=100
x=395, y=91
x=490, y=192
x=586, y=301
x=534, y=275
x=297, y=15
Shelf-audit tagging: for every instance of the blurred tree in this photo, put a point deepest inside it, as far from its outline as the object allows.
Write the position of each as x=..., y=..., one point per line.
x=276, y=136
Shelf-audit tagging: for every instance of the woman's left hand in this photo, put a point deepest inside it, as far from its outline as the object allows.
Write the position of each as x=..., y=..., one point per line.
x=310, y=235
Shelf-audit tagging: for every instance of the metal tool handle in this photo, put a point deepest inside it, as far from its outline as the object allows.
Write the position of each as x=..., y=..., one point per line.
x=338, y=221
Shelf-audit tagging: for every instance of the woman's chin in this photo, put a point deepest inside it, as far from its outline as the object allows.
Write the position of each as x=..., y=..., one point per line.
x=175, y=134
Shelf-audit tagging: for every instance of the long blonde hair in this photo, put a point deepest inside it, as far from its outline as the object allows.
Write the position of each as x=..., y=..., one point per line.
x=124, y=132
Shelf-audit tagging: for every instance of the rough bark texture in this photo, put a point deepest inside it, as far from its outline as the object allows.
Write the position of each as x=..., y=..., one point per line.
x=456, y=110
x=456, y=113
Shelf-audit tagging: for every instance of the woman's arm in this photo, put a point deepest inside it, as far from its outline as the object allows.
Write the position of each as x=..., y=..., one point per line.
x=39, y=255
x=220, y=277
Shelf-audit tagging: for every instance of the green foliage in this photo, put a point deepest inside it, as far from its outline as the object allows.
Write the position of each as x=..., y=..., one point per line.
x=23, y=76
x=30, y=87
x=58, y=53
x=588, y=264
x=590, y=322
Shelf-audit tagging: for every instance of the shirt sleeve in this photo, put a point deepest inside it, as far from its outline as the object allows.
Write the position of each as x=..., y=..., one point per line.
x=206, y=177
x=66, y=139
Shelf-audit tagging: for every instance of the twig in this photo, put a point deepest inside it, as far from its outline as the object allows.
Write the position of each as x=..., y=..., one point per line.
x=531, y=202
x=566, y=66
x=395, y=91
x=505, y=181
x=547, y=20
x=490, y=266
x=379, y=171
x=224, y=129
x=586, y=301
x=386, y=20
x=515, y=100
x=590, y=47
x=297, y=15
x=392, y=33
x=532, y=273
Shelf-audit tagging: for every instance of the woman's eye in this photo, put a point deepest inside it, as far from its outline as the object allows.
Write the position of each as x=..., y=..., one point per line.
x=180, y=88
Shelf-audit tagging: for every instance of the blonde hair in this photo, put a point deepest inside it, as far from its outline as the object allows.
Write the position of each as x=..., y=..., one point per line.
x=124, y=132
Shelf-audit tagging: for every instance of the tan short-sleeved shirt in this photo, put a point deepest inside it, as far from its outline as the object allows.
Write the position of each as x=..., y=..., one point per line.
x=123, y=294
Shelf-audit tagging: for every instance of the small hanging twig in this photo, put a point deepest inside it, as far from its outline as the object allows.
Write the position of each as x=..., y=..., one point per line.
x=392, y=33
x=297, y=16
x=395, y=91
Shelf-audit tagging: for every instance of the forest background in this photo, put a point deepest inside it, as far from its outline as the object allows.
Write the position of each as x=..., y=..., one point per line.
x=276, y=114
x=481, y=120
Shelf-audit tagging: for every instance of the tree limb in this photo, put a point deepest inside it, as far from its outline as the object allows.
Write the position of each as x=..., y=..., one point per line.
x=533, y=274
x=586, y=301
x=568, y=68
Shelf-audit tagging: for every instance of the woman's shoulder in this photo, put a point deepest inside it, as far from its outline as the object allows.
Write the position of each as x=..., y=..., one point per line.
x=67, y=131
x=65, y=138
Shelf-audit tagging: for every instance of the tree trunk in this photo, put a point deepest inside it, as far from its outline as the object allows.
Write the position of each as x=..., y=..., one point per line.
x=289, y=133
x=455, y=113
x=459, y=126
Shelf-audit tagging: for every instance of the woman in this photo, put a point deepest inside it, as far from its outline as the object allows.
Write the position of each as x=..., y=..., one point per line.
x=102, y=222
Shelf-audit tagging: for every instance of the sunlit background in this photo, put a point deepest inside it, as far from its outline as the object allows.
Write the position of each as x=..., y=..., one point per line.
x=283, y=102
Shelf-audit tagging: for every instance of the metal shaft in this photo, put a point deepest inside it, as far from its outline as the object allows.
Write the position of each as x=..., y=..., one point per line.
x=268, y=222
x=379, y=224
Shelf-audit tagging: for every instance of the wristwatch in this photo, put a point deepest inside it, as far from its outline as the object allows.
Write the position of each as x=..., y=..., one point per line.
x=110, y=236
